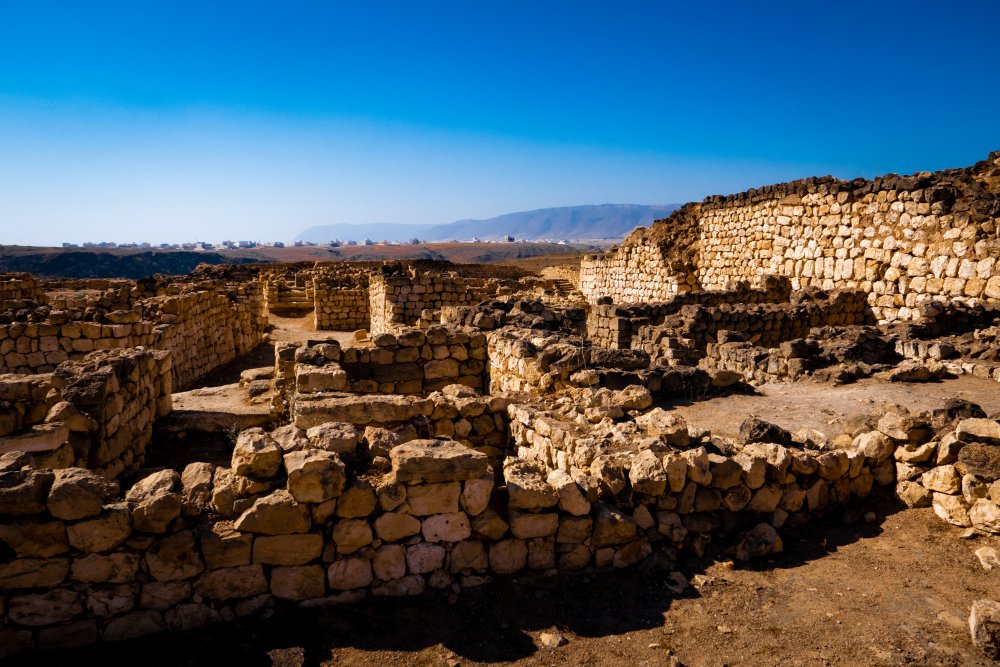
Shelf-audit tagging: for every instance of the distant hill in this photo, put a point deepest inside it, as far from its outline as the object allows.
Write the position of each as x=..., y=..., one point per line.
x=603, y=221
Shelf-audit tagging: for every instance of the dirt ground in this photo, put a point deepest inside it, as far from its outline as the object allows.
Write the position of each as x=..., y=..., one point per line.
x=797, y=405
x=893, y=592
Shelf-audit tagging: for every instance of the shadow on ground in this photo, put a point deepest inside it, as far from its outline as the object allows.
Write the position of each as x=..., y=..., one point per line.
x=492, y=624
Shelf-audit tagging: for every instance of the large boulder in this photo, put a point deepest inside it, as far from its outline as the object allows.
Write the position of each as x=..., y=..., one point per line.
x=527, y=487
x=155, y=501
x=980, y=460
x=24, y=492
x=984, y=625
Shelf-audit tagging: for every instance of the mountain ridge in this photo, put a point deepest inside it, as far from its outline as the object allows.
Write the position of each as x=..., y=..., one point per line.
x=590, y=221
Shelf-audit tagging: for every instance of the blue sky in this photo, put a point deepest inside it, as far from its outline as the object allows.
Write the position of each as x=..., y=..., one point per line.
x=211, y=120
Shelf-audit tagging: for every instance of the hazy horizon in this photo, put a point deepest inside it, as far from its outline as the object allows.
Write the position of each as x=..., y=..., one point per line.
x=252, y=121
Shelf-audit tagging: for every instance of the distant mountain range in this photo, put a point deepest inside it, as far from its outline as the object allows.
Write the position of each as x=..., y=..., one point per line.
x=572, y=223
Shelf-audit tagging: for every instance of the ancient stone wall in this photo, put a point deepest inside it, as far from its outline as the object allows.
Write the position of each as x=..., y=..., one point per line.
x=613, y=326
x=96, y=413
x=340, y=308
x=412, y=362
x=902, y=240
x=20, y=287
x=408, y=299
x=202, y=328
x=288, y=523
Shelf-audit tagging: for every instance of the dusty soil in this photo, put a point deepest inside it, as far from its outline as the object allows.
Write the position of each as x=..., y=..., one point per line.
x=796, y=405
x=896, y=591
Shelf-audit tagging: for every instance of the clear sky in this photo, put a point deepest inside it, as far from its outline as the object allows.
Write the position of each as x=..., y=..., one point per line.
x=207, y=120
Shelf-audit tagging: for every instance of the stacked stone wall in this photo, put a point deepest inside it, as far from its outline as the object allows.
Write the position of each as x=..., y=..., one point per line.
x=20, y=287
x=202, y=329
x=96, y=413
x=340, y=308
x=902, y=240
x=288, y=524
x=403, y=300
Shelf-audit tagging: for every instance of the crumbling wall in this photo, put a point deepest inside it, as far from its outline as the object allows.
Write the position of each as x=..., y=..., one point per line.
x=403, y=299
x=903, y=240
x=202, y=328
x=95, y=413
x=20, y=287
x=290, y=522
x=411, y=362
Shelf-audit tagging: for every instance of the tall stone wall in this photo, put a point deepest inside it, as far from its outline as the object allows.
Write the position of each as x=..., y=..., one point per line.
x=903, y=240
x=340, y=308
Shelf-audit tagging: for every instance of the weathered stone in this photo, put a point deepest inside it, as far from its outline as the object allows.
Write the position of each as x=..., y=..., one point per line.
x=134, y=625
x=453, y=527
x=38, y=609
x=33, y=573
x=489, y=525
x=437, y=461
x=349, y=573
x=667, y=426
x=186, y=617
x=985, y=516
x=256, y=454
x=117, y=568
x=24, y=492
x=647, y=474
x=77, y=493
x=196, y=481
x=943, y=479
x=611, y=526
x=414, y=584
x=984, y=625
x=174, y=557
x=754, y=430
x=952, y=509
x=525, y=525
x=476, y=494
x=314, y=476
x=389, y=562
x=357, y=500
x=527, y=487
x=101, y=533
x=224, y=546
x=980, y=460
x=913, y=494
x=34, y=538
x=508, y=556
x=337, y=437
x=427, y=499
x=760, y=541
x=163, y=595
x=611, y=472
x=351, y=534
x=874, y=445
x=298, y=583
x=978, y=430
x=469, y=555
x=393, y=526
x=296, y=549
x=275, y=514
x=571, y=498
x=230, y=583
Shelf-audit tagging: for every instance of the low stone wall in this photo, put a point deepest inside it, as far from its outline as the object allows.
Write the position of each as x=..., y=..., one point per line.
x=614, y=326
x=287, y=523
x=340, y=308
x=98, y=412
x=402, y=299
x=956, y=472
x=412, y=362
x=201, y=328
x=20, y=287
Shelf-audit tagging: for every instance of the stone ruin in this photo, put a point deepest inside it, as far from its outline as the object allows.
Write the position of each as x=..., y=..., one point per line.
x=484, y=422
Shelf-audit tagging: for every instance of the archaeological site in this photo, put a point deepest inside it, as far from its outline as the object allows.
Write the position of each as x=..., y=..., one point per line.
x=800, y=366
